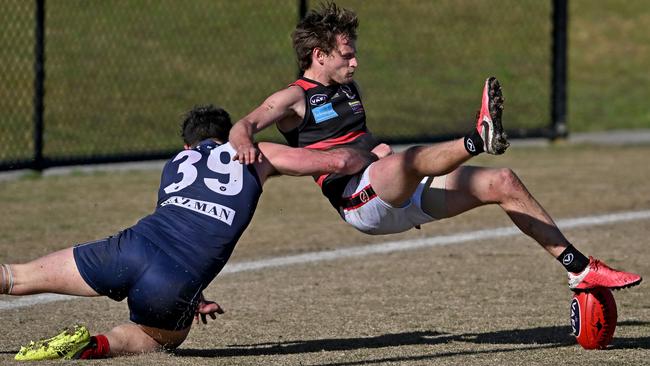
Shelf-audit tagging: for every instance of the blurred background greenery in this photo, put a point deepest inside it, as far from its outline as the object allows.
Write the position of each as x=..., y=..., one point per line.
x=120, y=74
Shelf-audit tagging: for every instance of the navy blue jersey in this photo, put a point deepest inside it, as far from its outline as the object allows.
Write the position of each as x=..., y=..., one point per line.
x=205, y=202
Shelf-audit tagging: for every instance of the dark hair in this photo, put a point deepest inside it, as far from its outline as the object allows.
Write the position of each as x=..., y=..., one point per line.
x=204, y=122
x=319, y=28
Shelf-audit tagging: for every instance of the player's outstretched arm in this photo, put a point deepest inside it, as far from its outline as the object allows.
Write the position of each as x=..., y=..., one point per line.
x=279, y=106
x=287, y=160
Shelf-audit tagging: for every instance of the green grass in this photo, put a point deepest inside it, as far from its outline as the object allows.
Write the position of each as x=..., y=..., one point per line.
x=120, y=74
x=609, y=57
x=500, y=301
x=425, y=64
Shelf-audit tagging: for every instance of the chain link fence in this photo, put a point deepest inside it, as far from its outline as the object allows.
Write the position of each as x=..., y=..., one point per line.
x=16, y=80
x=120, y=74
x=423, y=64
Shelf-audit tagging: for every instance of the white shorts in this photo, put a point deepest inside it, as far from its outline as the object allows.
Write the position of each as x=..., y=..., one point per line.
x=374, y=216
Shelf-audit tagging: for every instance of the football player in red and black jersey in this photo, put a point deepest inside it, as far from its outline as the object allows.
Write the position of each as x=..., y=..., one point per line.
x=323, y=110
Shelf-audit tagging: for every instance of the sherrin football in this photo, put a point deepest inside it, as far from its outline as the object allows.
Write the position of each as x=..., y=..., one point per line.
x=593, y=317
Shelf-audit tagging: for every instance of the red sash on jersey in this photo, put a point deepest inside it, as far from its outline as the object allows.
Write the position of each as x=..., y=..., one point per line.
x=304, y=84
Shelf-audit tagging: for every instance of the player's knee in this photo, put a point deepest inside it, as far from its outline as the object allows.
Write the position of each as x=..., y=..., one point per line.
x=165, y=339
x=340, y=164
x=173, y=342
x=509, y=183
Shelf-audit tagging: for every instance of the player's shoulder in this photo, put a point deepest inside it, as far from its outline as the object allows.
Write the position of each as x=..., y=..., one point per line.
x=289, y=96
x=295, y=91
x=290, y=90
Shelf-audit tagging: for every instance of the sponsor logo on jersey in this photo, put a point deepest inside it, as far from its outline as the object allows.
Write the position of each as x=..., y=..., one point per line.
x=356, y=106
x=210, y=209
x=575, y=317
x=324, y=113
x=348, y=92
x=318, y=99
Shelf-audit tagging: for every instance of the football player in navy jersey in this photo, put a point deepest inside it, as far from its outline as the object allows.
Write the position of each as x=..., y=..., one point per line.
x=323, y=110
x=162, y=263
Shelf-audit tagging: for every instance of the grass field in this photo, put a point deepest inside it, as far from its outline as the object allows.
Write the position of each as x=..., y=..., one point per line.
x=119, y=74
x=491, y=301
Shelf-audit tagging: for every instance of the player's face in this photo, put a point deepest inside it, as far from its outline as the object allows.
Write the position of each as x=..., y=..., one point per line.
x=342, y=62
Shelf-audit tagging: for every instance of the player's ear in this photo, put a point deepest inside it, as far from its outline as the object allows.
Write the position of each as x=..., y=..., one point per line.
x=318, y=55
x=186, y=147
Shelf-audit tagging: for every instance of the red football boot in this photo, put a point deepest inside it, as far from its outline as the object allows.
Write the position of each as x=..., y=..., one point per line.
x=488, y=122
x=598, y=274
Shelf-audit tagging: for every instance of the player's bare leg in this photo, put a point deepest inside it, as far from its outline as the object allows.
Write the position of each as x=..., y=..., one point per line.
x=397, y=176
x=136, y=338
x=133, y=338
x=469, y=187
x=55, y=273
x=76, y=343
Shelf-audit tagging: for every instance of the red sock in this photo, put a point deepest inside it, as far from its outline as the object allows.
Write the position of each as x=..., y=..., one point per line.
x=97, y=348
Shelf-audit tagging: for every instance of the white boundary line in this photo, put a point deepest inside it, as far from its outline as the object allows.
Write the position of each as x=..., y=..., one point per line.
x=360, y=251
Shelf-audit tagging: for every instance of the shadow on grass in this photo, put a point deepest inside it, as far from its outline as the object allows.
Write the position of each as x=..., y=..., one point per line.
x=534, y=338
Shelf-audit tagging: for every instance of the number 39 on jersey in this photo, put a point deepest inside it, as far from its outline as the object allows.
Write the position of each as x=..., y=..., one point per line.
x=219, y=160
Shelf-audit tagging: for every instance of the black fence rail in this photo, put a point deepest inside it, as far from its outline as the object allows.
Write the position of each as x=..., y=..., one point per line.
x=95, y=82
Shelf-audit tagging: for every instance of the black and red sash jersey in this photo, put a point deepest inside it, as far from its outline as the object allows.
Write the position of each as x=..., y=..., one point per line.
x=334, y=117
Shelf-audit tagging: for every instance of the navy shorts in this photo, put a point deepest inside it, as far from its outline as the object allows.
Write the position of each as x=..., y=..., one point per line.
x=161, y=293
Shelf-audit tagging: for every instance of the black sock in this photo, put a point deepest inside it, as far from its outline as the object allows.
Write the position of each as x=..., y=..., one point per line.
x=473, y=143
x=573, y=260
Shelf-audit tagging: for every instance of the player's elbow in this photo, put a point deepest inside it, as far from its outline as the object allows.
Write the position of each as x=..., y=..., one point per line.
x=339, y=165
x=243, y=126
x=235, y=131
x=349, y=162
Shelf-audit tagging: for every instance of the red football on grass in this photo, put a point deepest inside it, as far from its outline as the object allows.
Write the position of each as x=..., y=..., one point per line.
x=593, y=317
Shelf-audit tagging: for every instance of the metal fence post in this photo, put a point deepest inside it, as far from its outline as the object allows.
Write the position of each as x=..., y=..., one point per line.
x=39, y=86
x=100, y=145
x=302, y=9
x=559, y=70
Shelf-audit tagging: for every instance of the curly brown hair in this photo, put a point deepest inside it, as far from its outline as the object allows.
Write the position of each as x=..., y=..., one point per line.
x=319, y=28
